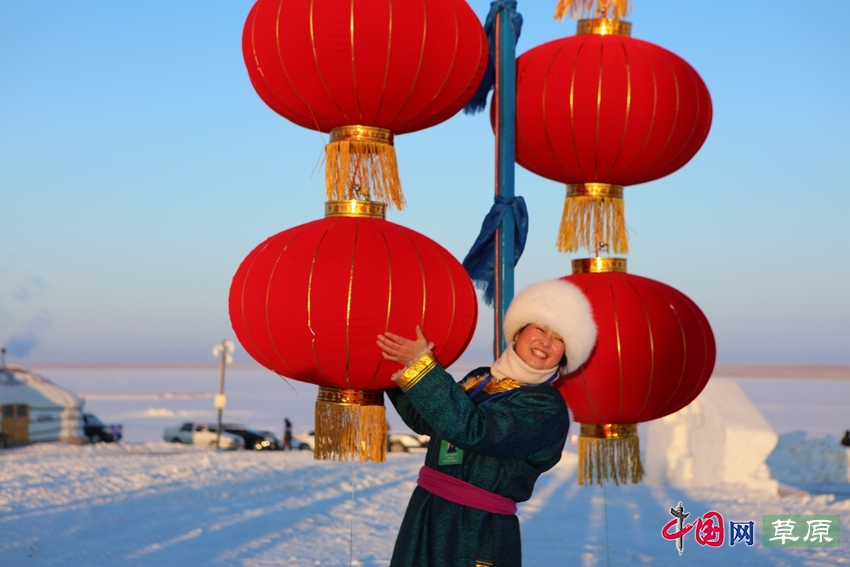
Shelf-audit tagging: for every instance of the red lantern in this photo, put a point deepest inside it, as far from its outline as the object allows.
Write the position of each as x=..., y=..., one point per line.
x=309, y=303
x=654, y=354
x=601, y=110
x=364, y=71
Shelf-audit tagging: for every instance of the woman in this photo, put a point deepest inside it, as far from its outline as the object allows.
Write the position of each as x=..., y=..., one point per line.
x=492, y=435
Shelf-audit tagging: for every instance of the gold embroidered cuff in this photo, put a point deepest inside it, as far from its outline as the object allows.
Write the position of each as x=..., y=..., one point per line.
x=410, y=377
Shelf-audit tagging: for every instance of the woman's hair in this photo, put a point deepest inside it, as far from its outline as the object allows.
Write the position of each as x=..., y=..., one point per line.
x=562, y=364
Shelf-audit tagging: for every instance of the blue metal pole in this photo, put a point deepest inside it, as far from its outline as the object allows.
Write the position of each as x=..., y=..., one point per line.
x=505, y=96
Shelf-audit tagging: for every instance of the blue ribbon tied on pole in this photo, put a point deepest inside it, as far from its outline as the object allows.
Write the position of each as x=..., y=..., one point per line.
x=479, y=100
x=480, y=262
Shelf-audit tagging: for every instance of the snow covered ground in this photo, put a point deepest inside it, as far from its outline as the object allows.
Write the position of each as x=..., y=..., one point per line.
x=146, y=502
x=166, y=505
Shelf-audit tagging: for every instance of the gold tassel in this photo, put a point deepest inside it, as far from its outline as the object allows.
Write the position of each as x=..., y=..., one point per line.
x=350, y=424
x=584, y=8
x=362, y=160
x=594, y=215
x=609, y=452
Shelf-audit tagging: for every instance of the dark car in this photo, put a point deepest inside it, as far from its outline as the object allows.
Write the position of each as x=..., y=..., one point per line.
x=95, y=431
x=257, y=440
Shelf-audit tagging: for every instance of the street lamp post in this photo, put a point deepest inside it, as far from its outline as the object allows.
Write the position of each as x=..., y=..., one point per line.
x=224, y=351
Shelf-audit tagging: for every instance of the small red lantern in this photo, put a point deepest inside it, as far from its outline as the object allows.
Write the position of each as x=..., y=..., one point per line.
x=309, y=303
x=364, y=71
x=600, y=110
x=654, y=354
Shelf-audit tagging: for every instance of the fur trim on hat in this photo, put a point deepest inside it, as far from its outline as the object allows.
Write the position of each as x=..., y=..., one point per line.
x=563, y=308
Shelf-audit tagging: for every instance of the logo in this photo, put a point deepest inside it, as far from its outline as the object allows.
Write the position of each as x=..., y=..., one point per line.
x=777, y=530
x=708, y=528
x=801, y=530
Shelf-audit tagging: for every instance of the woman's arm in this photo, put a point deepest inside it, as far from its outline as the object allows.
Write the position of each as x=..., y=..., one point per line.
x=514, y=427
x=408, y=413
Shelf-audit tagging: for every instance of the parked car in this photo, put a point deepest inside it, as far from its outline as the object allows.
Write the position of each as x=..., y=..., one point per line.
x=95, y=430
x=304, y=442
x=396, y=442
x=201, y=434
x=405, y=442
x=257, y=440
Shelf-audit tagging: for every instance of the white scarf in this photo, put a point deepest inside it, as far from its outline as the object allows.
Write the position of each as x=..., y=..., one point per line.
x=510, y=365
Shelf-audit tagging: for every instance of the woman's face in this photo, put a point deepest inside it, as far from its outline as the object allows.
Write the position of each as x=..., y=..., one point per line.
x=539, y=347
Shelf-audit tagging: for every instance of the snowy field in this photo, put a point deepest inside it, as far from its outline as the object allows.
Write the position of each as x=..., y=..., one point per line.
x=164, y=505
x=146, y=502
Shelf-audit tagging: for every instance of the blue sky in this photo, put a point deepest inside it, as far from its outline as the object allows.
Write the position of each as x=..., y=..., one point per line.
x=138, y=167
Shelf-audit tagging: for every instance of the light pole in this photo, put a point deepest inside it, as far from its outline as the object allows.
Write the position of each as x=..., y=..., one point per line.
x=224, y=351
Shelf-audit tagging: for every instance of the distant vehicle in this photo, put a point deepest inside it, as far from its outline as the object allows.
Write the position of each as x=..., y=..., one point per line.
x=201, y=434
x=304, y=441
x=257, y=440
x=396, y=442
x=405, y=442
x=95, y=430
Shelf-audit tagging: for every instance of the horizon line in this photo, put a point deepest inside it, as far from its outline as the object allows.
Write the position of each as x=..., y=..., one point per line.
x=722, y=370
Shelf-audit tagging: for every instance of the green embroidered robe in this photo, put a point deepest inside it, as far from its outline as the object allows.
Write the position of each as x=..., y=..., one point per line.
x=507, y=444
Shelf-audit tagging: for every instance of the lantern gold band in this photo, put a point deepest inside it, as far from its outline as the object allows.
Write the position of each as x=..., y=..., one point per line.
x=609, y=430
x=351, y=397
x=595, y=190
x=355, y=208
x=362, y=134
x=599, y=265
x=604, y=26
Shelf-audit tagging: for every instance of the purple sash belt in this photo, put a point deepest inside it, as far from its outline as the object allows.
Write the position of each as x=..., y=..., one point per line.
x=461, y=492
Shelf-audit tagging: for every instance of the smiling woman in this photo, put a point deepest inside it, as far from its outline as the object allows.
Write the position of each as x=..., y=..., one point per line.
x=493, y=434
x=540, y=347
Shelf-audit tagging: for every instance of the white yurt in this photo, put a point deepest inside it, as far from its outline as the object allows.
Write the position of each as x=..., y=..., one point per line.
x=34, y=409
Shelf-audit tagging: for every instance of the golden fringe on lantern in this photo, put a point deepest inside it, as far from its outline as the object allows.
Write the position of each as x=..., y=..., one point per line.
x=349, y=428
x=584, y=8
x=609, y=452
x=362, y=159
x=594, y=214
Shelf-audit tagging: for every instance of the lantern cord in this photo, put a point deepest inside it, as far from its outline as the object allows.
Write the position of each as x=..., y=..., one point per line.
x=321, y=160
x=605, y=511
x=288, y=383
x=351, y=527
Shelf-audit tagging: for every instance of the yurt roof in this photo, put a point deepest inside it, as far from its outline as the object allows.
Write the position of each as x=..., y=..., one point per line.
x=18, y=384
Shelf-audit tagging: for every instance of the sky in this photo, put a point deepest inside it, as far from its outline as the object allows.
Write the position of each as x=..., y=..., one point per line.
x=138, y=168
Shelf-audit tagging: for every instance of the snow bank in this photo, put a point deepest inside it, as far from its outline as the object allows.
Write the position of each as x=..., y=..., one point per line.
x=798, y=459
x=720, y=437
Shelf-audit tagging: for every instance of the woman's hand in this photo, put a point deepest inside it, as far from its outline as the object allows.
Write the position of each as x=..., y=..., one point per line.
x=402, y=350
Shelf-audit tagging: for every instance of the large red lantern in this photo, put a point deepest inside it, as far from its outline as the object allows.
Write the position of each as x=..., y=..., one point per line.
x=364, y=71
x=309, y=303
x=654, y=354
x=601, y=110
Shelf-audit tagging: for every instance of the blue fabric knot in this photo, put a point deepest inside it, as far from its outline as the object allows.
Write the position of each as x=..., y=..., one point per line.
x=479, y=99
x=480, y=263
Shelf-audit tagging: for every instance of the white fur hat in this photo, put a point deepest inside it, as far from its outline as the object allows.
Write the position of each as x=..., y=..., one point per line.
x=562, y=307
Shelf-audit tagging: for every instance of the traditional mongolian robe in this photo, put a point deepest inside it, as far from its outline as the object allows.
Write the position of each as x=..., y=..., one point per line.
x=507, y=434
